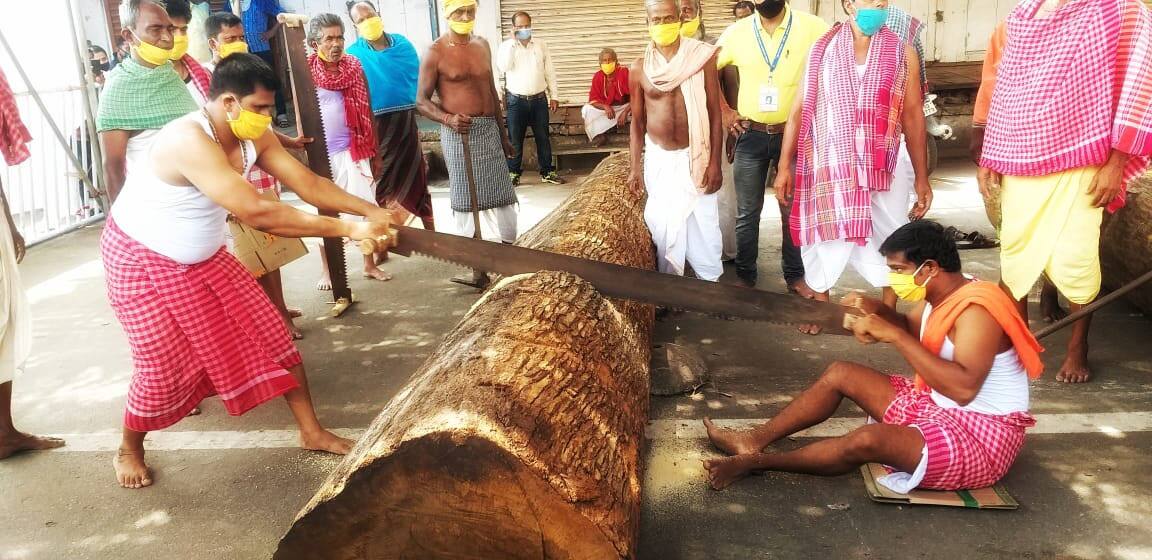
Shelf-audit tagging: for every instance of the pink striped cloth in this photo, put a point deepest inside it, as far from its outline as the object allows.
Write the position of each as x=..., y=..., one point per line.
x=966, y=449
x=839, y=167
x=1071, y=88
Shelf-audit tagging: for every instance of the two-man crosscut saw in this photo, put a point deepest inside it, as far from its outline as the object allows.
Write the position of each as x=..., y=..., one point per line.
x=667, y=290
x=611, y=280
x=307, y=104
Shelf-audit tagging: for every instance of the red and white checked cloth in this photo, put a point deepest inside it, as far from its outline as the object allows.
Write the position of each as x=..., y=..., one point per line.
x=966, y=449
x=262, y=180
x=842, y=159
x=349, y=79
x=14, y=137
x=1071, y=88
x=200, y=75
x=195, y=331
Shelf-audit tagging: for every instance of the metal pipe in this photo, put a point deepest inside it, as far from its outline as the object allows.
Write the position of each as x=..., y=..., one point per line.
x=89, y=99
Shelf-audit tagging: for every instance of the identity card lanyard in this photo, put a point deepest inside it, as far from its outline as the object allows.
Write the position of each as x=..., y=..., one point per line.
x=773, y=63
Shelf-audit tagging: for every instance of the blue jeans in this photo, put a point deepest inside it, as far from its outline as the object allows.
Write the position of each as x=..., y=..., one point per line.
x=523, y=113
x=756, y=153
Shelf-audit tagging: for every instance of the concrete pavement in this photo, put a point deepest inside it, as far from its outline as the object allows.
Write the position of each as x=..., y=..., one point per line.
x=228, y=487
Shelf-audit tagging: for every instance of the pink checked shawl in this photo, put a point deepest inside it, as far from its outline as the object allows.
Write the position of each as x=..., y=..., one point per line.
x=1071, y=88
x=199, y=74
x=838, y=169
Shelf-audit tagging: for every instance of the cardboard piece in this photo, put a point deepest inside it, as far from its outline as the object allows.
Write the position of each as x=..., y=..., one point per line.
x=996, y=497
x=261, y=252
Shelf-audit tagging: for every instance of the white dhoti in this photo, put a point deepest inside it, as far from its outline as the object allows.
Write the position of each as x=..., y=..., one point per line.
x=685, y=224
x=501, y=220
x=15, y=320
x=596, y=121
x=355, y=177
x=825, y=262
x=727, y=204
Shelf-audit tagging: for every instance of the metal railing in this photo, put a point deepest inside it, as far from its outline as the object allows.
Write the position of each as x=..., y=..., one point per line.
x=46, y=193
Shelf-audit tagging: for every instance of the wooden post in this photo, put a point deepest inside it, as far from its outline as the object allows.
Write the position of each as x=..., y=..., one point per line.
x=520, y=436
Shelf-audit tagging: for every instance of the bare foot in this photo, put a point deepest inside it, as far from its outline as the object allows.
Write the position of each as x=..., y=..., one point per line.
x=801, y=289
x=811, y=329
x=326, y=441
x=194, y=412
x=1075, y=369
x=324, y=284
x=724, y=471
x=731, y=441
x=293, y=330
x=376, y=274
x=293, y=313
x=19, y=442
x=131, y=470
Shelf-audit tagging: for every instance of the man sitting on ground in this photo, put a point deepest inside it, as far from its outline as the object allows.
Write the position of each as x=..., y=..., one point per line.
x=608, y=99
x=959, y=425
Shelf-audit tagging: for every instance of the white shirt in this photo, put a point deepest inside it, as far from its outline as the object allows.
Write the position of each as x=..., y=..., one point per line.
x=527, y=70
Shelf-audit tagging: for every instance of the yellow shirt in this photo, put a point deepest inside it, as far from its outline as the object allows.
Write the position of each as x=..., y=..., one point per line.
x=739, y=47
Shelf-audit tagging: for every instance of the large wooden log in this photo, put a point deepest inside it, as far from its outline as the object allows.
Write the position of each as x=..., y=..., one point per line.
x=1125, y=243
x=520, y=436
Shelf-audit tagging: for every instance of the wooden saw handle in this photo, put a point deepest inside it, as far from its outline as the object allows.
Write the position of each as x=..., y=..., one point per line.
x=380, y=244
x=292, y=20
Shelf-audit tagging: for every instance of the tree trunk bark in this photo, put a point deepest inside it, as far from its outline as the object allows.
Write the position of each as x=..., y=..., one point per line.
x=1125, y=242
x=520, y=436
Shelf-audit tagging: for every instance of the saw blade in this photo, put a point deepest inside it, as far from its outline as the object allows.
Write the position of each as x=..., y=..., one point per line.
x=306, y=101
x=615, y=281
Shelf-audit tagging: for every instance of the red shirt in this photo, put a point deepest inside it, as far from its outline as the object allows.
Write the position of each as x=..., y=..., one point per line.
x=609, y=90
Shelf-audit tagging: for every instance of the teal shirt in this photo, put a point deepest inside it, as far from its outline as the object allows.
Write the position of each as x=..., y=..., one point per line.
x=392, y=73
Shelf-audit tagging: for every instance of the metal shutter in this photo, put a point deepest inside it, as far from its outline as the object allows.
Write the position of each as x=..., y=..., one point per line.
x=577, y=31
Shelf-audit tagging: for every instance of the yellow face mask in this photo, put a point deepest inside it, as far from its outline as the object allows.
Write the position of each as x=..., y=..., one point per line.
x=179, y=47
x=322, y=56
x=151, y=53
x=608, y=68
x=906, y=287
x=664, y=34
x=462, y=27
x=249, y=125
x=229, y=49
x=690, y=27
x=371, y=28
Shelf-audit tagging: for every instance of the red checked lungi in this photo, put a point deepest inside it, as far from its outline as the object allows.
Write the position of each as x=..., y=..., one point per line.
x=966, y=449
x=195, y=331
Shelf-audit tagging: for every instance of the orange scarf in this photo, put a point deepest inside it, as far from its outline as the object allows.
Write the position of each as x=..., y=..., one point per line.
x=1003, y=309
